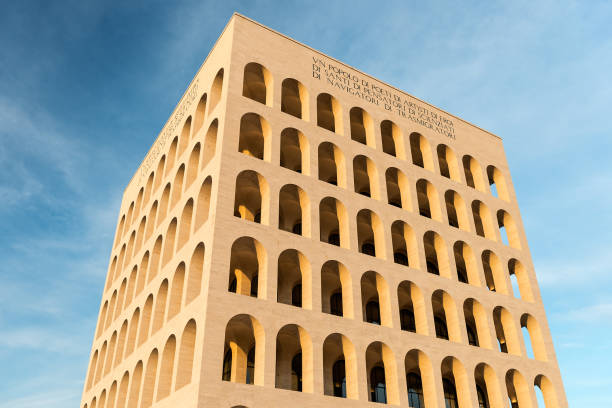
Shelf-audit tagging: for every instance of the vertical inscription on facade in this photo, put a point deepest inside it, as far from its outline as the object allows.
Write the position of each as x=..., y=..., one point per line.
x=171, y=126
x=381, y=95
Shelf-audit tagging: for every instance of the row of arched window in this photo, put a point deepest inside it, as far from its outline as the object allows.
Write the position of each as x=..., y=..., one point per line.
x=171, y=297
x=244, y=354
x=294, y=287
x=200, y=156
x=157, y=214
x=257, y=85
x=252, y=200
x=193, y=216
x=155, y=379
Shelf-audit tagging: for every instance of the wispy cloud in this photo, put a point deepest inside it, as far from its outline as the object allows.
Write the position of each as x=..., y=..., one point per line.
x=55, y=399
x=597, y=313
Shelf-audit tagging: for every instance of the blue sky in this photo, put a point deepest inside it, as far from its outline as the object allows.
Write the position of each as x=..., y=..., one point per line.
x=85, y=87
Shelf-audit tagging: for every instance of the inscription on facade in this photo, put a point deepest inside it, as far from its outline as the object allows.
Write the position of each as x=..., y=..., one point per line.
x=381, y=95
x=168, y=131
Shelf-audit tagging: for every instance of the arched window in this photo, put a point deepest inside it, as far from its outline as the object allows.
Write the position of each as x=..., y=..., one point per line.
x=465, y=262
x=293, y=359
x=365, y=177
x=254, y=136
x=339, y=367
x=244, y=339
x=369, y=234
x=494, y=275
x=378, y=386
x=294, y=98
x=532, y=335
x=392, y=141
x=445, y=316
x=203, y=205
x=476, y=324
x=436, y=254
x=200, y=113
x=362, y=128
x=420, y=381
x=294, y=210
x=294, y=153
x=410, y=299
x=185, y=135
x=252, y=197
x=398, y=190
x=405, y=251
x=497, y=183
x=547, y=391
x=427, y=196
x=473, y=173
x=508, y=229
x=375, y=299
x=336, y=289
x=448, y=163
x=247, y=262
x=482, y=220
x=450, y=393
x=293, y=272
x=421, y=153
x=382, y=374
x=415, y=390
x=487, y=387
x=456, y=211
x=186, y=355
x=210, y=143
x=166, y=369
x=329, y=113
x=171, y=156
x=216, y=90
x=331, y=164
x=193, y=165
x=518, y=390
x=257, y=83
x=505, y=330
x=333, y=222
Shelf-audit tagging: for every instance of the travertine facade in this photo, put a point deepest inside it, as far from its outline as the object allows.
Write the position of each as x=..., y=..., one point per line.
x=302, y=234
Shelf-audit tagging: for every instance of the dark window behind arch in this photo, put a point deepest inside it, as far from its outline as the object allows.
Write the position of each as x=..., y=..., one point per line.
x=378, y=386
x=407, y=320
x=415, y=390
x=450, y=393
x=296, y=295
x=296, y=372
x=339, y=378
x=441, y=329
x=227, y=366
x=335, y=304
x=373, y=312
x=250, y=372
x=483, y=401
